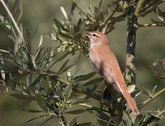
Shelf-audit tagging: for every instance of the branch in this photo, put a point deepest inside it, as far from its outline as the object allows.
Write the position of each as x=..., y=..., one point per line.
x=79, y=90
x=87, y=93
x=150, y=25
x=92, y=95
x=138, y=8
x=13, y=20
x=152, y=118
x=160, y=113
x=152, y=6
x=92, y=107
x=108, y=20
x=152, y=98
x=130, y=72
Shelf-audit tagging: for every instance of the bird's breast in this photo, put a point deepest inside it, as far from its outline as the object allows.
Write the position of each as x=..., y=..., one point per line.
x=97, y=59
x=100, y=55
x=94, y=55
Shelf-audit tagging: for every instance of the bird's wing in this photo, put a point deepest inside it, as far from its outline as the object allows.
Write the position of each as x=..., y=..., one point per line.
x=107, y=73
x=109, y=77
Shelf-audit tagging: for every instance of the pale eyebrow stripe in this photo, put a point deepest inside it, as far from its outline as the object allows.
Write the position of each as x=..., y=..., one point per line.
x=97, y=35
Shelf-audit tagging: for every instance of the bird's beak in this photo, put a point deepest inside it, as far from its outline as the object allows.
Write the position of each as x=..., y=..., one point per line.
x=88, y=34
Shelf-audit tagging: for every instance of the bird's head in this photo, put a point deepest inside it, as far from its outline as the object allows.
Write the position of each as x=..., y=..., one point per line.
x=97, y=38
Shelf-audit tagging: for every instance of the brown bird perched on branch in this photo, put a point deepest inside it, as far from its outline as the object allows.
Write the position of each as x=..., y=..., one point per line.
x=105, y=63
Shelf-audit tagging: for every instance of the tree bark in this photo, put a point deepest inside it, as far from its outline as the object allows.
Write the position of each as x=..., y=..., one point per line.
x=130, y=74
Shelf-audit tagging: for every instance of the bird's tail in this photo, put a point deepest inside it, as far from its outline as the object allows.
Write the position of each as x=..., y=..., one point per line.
x=129, y=99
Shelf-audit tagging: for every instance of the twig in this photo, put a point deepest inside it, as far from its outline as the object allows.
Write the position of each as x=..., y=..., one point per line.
x=160, y=113
x=152, y=98
x=13, y=20
x=152, y=118
x=159, y=76
x=138, y=8
x=13, y=63
x=79, y=8
x=92, y=107
x=108, y=20
x=150, y=25
x=79, y=90
x=150, y=8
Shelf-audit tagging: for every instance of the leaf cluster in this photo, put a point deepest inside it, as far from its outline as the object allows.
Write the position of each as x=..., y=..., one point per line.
x=71, y=35
x=31, y=78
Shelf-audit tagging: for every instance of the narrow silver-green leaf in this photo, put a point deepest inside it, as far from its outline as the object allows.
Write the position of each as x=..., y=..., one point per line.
x=78, y=111
x=20, y=7
x=63, y=65
x=25, y=56
x=48, y=119
x=16, y=45
x=102, y=115
x=139, y=120
x=85, y=124
x=94, y=81
x=131, y=88
x=73, y=122
x=39, y=54
x=41, y=102
x=40, y=42
x=69, y=68
x=161, y=15
x=68, y=91
x=85, y=77
x=38, y=117
x=31, y=110
x=3, y=23
x=153, y=90
x=22, y=96
x=64, y=12
x=126, y=119
x=58, y=59
x=147, y=92
x=73, y=7
x=15, y=7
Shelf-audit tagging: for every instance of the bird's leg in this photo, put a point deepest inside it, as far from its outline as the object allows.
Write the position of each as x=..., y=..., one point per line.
x=111, y=92
x=102, y=94
x=107, y=93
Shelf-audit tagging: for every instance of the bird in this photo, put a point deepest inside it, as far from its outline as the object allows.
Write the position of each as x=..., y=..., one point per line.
x=105, y=63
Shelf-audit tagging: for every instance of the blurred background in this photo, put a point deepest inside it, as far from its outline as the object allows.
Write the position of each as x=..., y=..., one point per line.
x=150, y=46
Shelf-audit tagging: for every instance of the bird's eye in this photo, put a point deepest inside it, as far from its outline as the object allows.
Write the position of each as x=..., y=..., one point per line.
x=94, y=35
